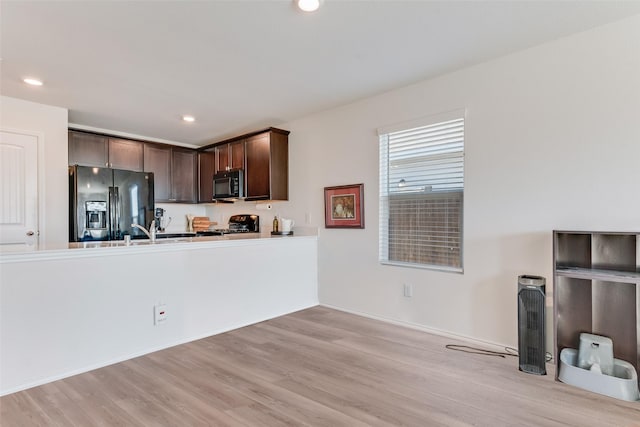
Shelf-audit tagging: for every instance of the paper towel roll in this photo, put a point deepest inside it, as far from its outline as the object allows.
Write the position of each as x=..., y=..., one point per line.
x=263, y=206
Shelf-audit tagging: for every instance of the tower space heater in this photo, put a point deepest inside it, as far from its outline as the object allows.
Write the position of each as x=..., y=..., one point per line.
x=531, y=324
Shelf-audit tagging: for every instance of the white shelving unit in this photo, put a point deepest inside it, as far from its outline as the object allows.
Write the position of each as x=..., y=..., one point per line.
x=597, y=290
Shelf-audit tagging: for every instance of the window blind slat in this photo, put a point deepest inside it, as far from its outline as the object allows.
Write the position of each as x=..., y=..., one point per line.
x=421, y=194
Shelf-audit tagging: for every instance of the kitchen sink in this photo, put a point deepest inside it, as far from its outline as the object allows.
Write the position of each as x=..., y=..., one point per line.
x=174, y=235
x=175, y=240
x=162, y=240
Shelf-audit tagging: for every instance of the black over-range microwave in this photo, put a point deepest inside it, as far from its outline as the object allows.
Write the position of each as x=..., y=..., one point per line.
x=228, y=185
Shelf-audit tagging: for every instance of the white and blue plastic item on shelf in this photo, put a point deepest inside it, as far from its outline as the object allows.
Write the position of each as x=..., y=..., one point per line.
x=595, y=353
x=594, y=368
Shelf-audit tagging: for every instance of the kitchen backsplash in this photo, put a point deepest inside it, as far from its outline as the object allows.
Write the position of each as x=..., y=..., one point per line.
x=220, y=213
x=178, y=214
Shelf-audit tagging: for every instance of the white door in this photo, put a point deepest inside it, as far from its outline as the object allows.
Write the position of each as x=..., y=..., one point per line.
x=18, y=188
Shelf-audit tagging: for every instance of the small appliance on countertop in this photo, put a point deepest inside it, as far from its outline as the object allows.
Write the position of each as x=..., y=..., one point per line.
x=161, y=224
x=243, y=223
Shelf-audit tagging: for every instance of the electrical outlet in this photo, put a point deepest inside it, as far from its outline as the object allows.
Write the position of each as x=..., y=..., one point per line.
x=408, y=290
x=307, y=218
x=159, y=314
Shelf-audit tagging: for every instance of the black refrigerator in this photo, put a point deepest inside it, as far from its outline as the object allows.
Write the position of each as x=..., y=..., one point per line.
x=103, y=203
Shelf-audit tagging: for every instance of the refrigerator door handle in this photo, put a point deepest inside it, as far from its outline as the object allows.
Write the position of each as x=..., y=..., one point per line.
x=114, y=216
x=117, y=213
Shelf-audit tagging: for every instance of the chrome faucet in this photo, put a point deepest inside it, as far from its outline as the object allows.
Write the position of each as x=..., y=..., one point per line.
x=151, y=232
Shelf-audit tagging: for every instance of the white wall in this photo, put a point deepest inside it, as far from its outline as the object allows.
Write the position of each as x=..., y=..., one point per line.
x=51, y=123
x=62, y=313
x=552, y=142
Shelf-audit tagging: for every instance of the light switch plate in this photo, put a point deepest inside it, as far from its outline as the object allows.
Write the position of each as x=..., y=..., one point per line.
x=408, y=290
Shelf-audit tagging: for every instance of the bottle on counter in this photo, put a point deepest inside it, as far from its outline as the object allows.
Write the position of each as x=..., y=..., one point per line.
x=190, y=218
x=275, y=224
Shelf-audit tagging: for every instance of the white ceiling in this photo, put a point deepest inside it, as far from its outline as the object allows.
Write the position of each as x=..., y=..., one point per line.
x=239, y=66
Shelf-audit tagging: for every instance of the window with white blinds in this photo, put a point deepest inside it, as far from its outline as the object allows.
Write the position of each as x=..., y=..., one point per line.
x=421, y=193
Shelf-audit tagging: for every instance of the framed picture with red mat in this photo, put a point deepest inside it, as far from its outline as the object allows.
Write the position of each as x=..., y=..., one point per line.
x=344, y=206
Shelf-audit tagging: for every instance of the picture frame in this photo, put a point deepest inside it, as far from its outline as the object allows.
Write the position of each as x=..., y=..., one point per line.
x=344, y=206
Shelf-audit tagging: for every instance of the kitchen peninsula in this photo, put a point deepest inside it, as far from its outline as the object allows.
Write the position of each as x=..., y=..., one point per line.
x=68, y=310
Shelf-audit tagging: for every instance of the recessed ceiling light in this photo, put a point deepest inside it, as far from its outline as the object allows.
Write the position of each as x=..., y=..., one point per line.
x=32, y=81
x=308, y=5
x=189, y=119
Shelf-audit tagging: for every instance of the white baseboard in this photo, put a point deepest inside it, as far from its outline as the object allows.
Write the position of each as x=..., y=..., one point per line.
x=434, y=331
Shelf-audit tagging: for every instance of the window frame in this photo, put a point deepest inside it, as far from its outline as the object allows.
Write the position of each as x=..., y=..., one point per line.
x=385, y=194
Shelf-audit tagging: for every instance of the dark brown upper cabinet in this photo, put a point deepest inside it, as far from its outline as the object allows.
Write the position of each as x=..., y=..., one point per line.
x=229, y=156
x=186, y=176
x=157, y=159
x=174, y=171
x=267, y=166
x=264, y=157
x=222, y=158
x=88, y=149
x=219, y=158
x=126, y=154
x=183, y=175
x=206, y=170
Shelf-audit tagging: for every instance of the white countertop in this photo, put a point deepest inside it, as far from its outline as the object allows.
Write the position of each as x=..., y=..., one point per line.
x=20, y=253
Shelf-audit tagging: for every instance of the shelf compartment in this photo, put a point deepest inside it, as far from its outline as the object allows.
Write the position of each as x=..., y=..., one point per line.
x=599, y=274
x=573, y=311
x=572, y=249
x=613, y=252
x=614, y=316
x=597, y=290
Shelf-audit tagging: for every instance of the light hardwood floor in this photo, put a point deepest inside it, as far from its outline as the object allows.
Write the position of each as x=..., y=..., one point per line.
x=317, y=367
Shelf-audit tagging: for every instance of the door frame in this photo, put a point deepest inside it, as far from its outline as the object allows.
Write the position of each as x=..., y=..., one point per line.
x=40, y=178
